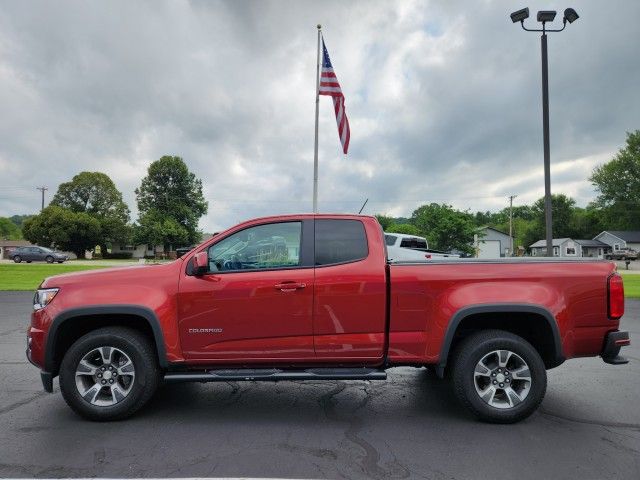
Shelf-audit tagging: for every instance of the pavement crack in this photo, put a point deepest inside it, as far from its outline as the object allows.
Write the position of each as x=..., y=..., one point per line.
x=567, y=418
x=20, y=403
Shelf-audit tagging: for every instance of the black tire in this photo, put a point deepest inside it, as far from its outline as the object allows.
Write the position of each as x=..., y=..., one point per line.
x=479, y=346
x=17, y=259
x=49, y=259
x=60, y=261
x=147, y=372
x=28, y=261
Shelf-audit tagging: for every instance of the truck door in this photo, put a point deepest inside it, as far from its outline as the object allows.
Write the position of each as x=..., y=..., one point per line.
x=349, y=314
x=255, y=302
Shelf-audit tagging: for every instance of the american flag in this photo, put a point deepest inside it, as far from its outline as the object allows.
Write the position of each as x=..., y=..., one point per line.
x=329, y=86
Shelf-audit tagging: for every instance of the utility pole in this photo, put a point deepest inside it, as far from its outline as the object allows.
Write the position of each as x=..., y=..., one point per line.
x=511, y=197
x=42, y=189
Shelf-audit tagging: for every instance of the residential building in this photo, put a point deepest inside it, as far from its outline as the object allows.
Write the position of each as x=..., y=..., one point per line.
x=567, y=247
x=492, y=243
x=620, y=239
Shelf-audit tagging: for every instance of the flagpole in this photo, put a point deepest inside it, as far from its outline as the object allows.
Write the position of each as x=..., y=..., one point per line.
x=315, y=152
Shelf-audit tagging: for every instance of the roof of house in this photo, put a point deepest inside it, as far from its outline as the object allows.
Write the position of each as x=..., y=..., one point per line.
x=591, y=243
x=15, y=243
x=626, y=235
x=494, y=229
x=543, y=243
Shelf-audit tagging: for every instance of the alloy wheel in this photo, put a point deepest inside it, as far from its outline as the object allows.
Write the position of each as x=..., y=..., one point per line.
x=105, y=376
x=502, y=379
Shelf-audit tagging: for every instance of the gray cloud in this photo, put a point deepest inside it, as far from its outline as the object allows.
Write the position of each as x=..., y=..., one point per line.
x=443, y=100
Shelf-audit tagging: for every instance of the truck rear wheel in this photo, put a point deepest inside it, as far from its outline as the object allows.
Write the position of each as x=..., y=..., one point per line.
x=109, y=374
x=499, y=376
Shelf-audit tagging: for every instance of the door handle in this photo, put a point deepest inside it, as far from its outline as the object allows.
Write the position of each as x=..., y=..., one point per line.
x=289, y=286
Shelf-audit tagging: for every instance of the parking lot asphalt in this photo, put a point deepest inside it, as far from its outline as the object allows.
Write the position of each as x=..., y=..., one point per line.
x=410, y=426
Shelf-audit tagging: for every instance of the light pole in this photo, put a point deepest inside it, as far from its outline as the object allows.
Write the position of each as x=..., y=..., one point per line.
x=543, y=17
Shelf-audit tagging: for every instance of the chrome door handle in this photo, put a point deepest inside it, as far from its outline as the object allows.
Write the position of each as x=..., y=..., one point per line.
x=289, y=286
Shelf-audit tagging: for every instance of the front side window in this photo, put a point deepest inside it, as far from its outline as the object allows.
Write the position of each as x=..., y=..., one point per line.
x=276, y=245
x=340, y=241
x=390, y=240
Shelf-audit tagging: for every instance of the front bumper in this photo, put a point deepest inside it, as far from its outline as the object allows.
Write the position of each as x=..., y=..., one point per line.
x=613, y=342
x=46, y=377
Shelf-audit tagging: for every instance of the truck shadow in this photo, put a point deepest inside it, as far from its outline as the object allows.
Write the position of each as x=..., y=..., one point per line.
x=407, y=393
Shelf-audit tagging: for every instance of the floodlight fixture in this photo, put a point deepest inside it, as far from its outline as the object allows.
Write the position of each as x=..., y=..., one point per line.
x=546, y=15
x=520, y=15
x=570, y=15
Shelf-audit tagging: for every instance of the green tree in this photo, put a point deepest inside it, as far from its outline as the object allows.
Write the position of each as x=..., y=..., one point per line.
x=405, y=228
x=618, y=184
x=61, y=228
x=95, y=194
x=445, y=228
x=385, y=221
x=564, y=220
x=171, y=203
x=18, y=220
x=9, y=230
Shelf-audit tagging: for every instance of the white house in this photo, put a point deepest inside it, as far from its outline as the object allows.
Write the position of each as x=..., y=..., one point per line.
x=567, y=247
x=492, y=243
x=618, y=239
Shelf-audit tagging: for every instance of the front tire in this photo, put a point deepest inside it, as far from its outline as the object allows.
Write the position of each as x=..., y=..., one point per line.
x=109, y=374
x=49, y=259
x=499, y=376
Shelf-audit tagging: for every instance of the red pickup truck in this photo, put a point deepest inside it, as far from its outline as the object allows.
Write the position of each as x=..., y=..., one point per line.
x=313, y=297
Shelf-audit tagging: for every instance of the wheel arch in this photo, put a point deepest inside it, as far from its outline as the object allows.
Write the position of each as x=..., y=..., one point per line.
x=534, y=323
x=71, y=324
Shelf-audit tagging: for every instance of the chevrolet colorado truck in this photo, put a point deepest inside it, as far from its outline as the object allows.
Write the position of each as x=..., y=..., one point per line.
x=313, y=297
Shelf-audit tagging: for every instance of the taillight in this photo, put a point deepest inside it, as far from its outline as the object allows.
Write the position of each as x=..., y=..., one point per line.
x=615, y=287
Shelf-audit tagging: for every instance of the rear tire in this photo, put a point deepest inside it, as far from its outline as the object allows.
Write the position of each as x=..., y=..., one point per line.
x=17, y=259
x=109, y=374
x=498, y=376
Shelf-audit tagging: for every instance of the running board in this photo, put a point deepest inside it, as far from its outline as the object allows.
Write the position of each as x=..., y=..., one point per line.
x=275, y=375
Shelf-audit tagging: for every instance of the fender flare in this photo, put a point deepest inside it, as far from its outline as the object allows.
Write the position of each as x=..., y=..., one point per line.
x=139, y=311
x=464, y=312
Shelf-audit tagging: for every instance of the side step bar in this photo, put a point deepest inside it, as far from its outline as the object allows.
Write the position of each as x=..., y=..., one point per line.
x=274, y=375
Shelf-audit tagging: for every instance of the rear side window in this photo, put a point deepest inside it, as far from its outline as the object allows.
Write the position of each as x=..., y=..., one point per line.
x=340, y=241
x=390, y=240
x=409, y=243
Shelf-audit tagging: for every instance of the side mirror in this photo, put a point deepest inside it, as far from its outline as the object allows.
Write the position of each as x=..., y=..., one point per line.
x=200, y=263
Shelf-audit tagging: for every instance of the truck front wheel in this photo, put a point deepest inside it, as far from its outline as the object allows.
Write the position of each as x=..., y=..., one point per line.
x=499, y=376
x=109, y=374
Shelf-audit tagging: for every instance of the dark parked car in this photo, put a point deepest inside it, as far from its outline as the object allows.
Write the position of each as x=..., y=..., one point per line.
x=37, y=254
x=622, y=254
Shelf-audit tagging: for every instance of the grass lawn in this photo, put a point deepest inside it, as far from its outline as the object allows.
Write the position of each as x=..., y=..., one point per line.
x=631, y=284
x=26, y=276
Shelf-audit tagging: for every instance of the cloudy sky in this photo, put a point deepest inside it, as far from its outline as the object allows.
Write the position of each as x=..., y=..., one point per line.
x=443, y=99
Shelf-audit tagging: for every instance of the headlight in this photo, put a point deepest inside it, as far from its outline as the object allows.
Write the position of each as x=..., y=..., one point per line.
x=43, y=297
